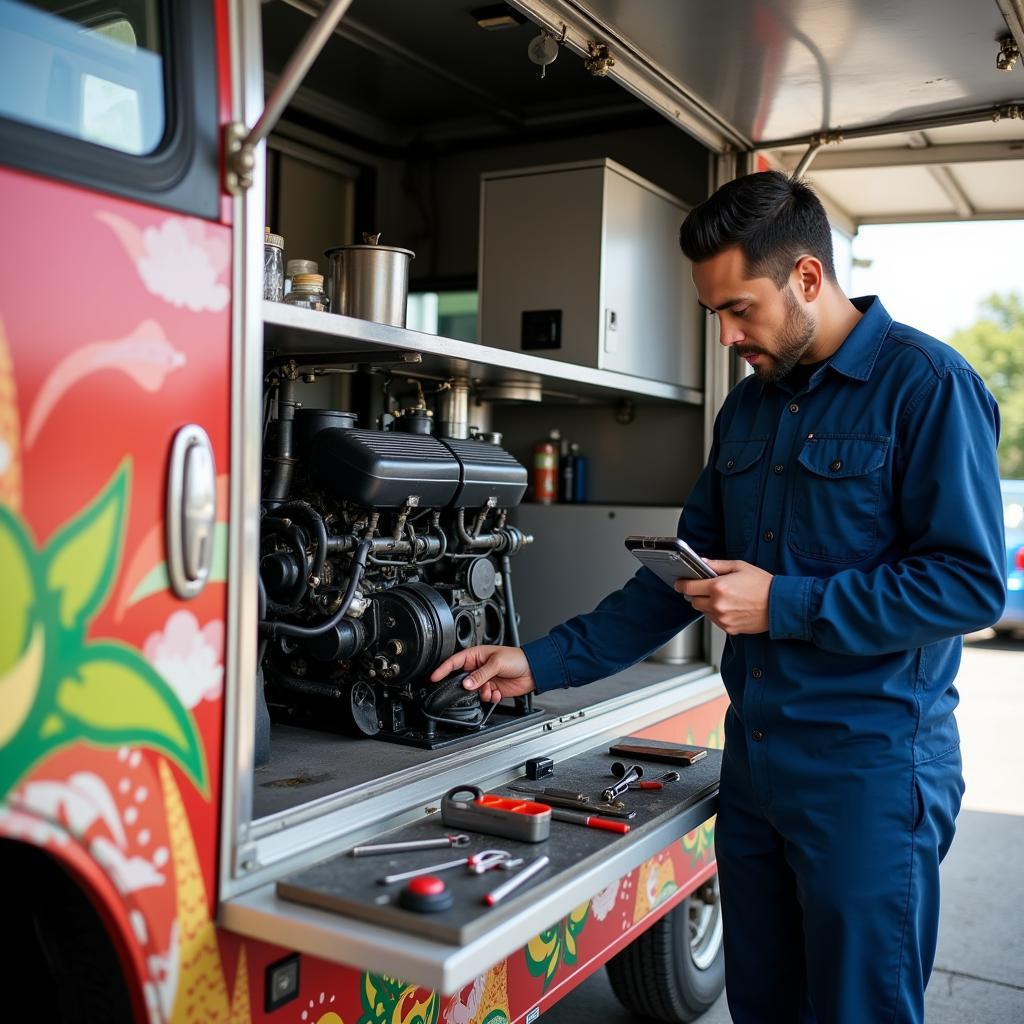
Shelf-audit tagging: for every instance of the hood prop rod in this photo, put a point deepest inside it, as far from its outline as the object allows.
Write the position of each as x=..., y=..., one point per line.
x=241, y=144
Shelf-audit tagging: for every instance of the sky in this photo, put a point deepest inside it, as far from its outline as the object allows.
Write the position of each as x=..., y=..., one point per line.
x=933, y=276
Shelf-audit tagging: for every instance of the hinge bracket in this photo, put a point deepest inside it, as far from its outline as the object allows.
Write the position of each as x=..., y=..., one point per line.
x=239, y=158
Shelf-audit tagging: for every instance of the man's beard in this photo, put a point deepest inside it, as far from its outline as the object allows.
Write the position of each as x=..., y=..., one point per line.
x=793, y=341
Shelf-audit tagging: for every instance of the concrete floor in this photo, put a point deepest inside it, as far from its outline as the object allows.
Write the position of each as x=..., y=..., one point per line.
x=979, y=966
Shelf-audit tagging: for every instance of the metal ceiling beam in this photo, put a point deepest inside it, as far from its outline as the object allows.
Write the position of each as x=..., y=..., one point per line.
x=939, y=217
x=905, y=156
x=954, y=192
x=1013, y=13
x=1011, y=109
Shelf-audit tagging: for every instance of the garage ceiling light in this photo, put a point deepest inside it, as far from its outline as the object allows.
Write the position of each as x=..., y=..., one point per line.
x=497, y=16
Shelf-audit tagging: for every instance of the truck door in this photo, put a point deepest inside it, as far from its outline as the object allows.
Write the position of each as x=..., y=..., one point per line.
x=114, y=411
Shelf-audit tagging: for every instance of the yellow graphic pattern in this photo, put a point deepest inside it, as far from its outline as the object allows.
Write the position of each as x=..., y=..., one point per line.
x=10, y=430
x=655, y=882
x=546, y=952
x=202, y=988
x=700, y=842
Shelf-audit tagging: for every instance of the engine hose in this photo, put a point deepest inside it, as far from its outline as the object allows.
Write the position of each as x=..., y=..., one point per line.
x=525, y=703
x=284, y=457
x=302, y=510
x=356, y=570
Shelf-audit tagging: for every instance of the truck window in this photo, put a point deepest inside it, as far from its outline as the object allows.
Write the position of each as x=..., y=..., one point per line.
x=93, y=71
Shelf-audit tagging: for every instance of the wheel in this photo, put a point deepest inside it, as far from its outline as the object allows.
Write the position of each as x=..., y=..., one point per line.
x=674, y=971
x=62, y=957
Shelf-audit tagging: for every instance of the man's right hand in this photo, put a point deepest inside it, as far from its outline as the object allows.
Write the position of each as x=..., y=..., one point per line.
x=495, y=671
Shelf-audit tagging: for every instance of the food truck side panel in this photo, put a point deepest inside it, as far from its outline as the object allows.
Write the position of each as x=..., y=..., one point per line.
x=114, y=334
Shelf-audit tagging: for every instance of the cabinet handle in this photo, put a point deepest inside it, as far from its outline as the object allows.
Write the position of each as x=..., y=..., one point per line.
x=191, y=511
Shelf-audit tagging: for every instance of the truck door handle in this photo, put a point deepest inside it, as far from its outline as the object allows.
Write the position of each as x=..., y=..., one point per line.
x=191, y=511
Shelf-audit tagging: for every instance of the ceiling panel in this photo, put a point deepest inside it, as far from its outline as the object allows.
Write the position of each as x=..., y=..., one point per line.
x=884, y=191
x=993, y=187
x=782, y=68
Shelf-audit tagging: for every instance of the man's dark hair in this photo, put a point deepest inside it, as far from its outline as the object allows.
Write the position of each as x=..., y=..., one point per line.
x=772, y=218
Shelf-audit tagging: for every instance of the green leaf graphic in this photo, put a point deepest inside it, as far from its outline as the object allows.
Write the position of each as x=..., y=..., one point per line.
x=17, y=594
x=114, y=696
x=81, y=558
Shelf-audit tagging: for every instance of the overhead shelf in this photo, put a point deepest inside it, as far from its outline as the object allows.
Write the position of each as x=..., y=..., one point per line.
x=311, y=337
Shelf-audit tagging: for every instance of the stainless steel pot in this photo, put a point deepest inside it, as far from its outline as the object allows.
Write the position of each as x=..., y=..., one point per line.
x=370, y=281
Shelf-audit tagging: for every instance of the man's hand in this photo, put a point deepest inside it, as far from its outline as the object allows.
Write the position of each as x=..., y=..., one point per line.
x=737, y=601
x=495, y=671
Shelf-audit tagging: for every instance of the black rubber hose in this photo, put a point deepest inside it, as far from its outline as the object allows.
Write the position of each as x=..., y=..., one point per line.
x=356, y=570
x=524, y=703
x=302, y=510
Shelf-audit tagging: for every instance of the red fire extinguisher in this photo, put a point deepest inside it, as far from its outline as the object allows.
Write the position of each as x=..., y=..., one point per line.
x=545, y=468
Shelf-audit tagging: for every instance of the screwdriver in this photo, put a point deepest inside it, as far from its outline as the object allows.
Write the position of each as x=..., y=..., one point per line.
x=579, y=818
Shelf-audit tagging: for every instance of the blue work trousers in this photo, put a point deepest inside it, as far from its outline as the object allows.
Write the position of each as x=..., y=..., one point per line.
x=830, y=894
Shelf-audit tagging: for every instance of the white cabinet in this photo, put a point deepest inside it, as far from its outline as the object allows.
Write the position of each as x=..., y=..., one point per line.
x=581, y=263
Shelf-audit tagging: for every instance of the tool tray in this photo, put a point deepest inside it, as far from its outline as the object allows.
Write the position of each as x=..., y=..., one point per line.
x=349, y=885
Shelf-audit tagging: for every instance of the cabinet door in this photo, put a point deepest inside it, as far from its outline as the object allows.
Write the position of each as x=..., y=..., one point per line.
x=650, y=325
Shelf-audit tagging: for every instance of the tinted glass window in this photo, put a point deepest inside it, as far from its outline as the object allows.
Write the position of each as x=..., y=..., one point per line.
x=91, y=70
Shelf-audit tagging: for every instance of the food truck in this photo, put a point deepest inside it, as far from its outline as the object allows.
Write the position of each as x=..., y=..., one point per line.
x=335, y=338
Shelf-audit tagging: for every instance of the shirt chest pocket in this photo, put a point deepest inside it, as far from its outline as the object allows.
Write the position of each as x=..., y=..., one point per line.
x=740, y=464
x=836, y=496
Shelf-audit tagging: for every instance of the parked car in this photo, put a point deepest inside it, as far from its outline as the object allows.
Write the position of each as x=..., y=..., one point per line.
x=1013, y=518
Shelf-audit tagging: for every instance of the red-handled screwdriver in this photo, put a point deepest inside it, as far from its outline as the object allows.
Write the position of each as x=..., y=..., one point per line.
x=579, y=818
x=647, y=785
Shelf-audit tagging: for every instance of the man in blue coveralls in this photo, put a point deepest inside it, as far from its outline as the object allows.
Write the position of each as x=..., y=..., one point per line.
x=851, y=508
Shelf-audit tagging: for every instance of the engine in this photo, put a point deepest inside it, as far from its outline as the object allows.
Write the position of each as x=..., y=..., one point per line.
x=382, y=552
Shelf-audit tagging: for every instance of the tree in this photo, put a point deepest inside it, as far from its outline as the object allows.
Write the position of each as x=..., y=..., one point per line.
x=994, y=346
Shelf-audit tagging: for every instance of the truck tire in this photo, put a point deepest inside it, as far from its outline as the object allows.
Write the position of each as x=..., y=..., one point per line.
x=675, y=970
x=61, y=957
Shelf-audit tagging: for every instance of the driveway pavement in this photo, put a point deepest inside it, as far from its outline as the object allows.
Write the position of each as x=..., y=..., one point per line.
x=979, y=965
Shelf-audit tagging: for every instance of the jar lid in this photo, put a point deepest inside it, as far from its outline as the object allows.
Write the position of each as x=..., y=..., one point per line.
x=372, y=248
x=308, y=281
x=269, y=238
x=293, y=267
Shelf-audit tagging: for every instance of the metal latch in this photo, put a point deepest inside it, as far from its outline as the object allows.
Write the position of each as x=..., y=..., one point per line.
x=191, y=511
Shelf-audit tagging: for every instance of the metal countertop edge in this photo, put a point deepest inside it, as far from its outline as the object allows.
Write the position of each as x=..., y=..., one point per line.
x=261, y=914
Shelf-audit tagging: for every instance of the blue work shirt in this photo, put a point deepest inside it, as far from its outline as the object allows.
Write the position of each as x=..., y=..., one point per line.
x=872, y=496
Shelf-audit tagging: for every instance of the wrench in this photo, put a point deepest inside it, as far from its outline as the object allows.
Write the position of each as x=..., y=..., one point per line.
x=625, y=776
x=477, y=863
x=416, y=844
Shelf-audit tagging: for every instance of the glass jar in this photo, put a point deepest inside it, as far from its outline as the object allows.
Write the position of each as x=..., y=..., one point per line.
x=273, y=266
x=308, y=292
x=293, y=267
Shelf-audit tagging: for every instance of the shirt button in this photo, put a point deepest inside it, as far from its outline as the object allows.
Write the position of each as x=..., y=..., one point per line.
x=756, y=673
x=836, y=466
x=779, y=468
x=757, y=735
x=730, y=464
x=794, y=407
x=769, y=536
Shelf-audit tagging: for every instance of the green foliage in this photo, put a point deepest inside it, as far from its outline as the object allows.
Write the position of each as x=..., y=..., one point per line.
x=56, y=685
x=994, y=346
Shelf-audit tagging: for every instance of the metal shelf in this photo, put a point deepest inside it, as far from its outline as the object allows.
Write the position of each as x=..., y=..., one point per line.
x=317, y=337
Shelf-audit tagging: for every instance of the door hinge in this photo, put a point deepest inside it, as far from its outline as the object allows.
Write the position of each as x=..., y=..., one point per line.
x=239, y=158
